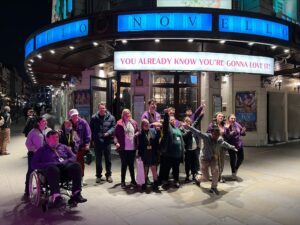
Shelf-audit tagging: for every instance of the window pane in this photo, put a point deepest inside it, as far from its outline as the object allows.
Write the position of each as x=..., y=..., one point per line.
x=187, y=99
x=125, y=98
x=163, y=79
x=164, y=97
x=126, y=79
x=188, y=79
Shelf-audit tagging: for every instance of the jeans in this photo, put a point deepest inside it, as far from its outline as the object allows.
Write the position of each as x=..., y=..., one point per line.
x=236, y=159
x=100, y=149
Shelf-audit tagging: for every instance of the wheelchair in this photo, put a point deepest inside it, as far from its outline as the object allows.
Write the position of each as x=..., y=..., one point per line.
x=39, y=191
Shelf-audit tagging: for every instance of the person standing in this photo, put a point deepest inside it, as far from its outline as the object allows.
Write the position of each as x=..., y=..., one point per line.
x=219, y=120
x=36, y=138
x=213, y=143
x=151, y=115
x=103, y=126
x=125, y=133
x=148, y=142
x=83, y=131
x=30, y=122
x=5, y=131
x=172, y=149
x=233, y=136
x=69, y=137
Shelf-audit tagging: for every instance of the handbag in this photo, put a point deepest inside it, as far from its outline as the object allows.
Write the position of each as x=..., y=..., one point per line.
x=140, y=175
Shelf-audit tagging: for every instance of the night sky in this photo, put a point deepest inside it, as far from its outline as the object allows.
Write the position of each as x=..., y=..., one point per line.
x=19, y=19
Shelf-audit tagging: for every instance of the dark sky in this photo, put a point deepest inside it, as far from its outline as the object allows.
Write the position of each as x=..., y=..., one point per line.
x=19, y=19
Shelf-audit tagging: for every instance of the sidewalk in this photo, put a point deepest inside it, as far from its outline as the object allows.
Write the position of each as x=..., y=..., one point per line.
x=267, y=193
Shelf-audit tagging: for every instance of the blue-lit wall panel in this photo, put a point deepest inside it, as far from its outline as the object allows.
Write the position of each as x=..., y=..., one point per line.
x=62, y=32
x=29, y=47
x=165, y=22
x=253, y=26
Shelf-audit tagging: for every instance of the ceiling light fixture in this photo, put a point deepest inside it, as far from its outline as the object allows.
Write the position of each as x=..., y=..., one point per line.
x=273, y=47
x=95, y=43
x=52, y=52
x=190, y=40
x=251, y=43
x=39, y=56
x=124, y=41
x=222, y=41
x=157, y=40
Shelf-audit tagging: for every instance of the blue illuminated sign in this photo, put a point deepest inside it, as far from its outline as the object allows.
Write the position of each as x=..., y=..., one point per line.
x=29, y=47
x=62, y=33
x=165, y=22
x=253, y=26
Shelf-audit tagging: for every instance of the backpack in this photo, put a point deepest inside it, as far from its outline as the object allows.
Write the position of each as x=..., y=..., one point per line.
x=2, y=121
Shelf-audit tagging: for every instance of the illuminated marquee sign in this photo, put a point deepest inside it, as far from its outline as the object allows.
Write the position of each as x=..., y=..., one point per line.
x=253, y=26
x=29, y=47
x=62, y=33
x=165, y=22
x=193, y=61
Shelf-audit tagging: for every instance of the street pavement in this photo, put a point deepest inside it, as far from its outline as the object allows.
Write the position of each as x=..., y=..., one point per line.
x=267, y=192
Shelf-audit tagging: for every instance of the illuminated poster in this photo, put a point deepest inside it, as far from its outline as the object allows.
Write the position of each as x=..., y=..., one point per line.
x=286, y=8
x=61, y=9
x=82, y=100
x=220, y=4
x=246, y=109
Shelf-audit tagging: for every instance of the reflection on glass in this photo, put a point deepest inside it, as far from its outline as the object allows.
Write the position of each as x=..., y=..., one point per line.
x=125, y=98
x=163, y=79
x=126, y=78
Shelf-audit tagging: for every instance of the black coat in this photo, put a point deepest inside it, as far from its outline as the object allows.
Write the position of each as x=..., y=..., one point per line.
x=101, y=126
x=149, y=156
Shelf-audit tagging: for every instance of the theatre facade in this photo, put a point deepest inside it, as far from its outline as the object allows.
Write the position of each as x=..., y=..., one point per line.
x=232, y=61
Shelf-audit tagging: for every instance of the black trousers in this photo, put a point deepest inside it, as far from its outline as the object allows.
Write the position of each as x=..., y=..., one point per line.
x=101, y=149
x=191, y=162
x=169, y=163
x=29, y=171
x=56, y=173
x=127, y=159
x=236, y=159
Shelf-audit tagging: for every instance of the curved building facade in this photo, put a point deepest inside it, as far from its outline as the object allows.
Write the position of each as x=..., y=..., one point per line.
x=233, y=56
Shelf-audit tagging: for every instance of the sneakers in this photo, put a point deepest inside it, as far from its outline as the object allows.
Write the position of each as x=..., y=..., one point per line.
x=77, y=198
x=98, y=180
x=214, y=190
x=58, y=202
x=109, y=179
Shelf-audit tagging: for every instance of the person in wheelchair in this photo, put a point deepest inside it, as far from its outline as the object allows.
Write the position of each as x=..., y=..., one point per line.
x=57, y=162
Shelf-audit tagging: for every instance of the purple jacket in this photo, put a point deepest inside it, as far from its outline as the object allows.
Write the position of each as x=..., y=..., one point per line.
x=45, y=156
x=233, y=136
x=120, y=132
x=151, y=119
x=84, y=132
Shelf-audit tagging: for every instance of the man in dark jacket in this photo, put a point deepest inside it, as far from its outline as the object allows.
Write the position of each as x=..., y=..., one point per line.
x=102, y=126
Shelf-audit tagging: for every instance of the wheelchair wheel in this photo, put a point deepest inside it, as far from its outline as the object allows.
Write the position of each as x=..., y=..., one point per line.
x=35, y=188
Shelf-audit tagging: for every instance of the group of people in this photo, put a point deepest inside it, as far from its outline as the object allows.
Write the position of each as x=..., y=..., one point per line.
x=5, y=122
x=165, y=143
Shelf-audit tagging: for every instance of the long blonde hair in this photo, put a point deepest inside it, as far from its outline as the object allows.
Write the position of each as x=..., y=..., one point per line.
x=126, y=111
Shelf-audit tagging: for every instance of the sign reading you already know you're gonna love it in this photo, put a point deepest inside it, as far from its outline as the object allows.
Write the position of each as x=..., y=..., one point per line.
x=192, y=61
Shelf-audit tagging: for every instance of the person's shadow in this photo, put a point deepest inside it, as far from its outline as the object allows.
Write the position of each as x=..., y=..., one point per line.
x=25, y=213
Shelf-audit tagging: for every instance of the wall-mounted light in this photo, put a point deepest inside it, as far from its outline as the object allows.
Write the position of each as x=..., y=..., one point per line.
x=278, y=84
x=190, y=40
x=222, y=41
x=157, y=40
x=124, y=41
x=95, y=43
